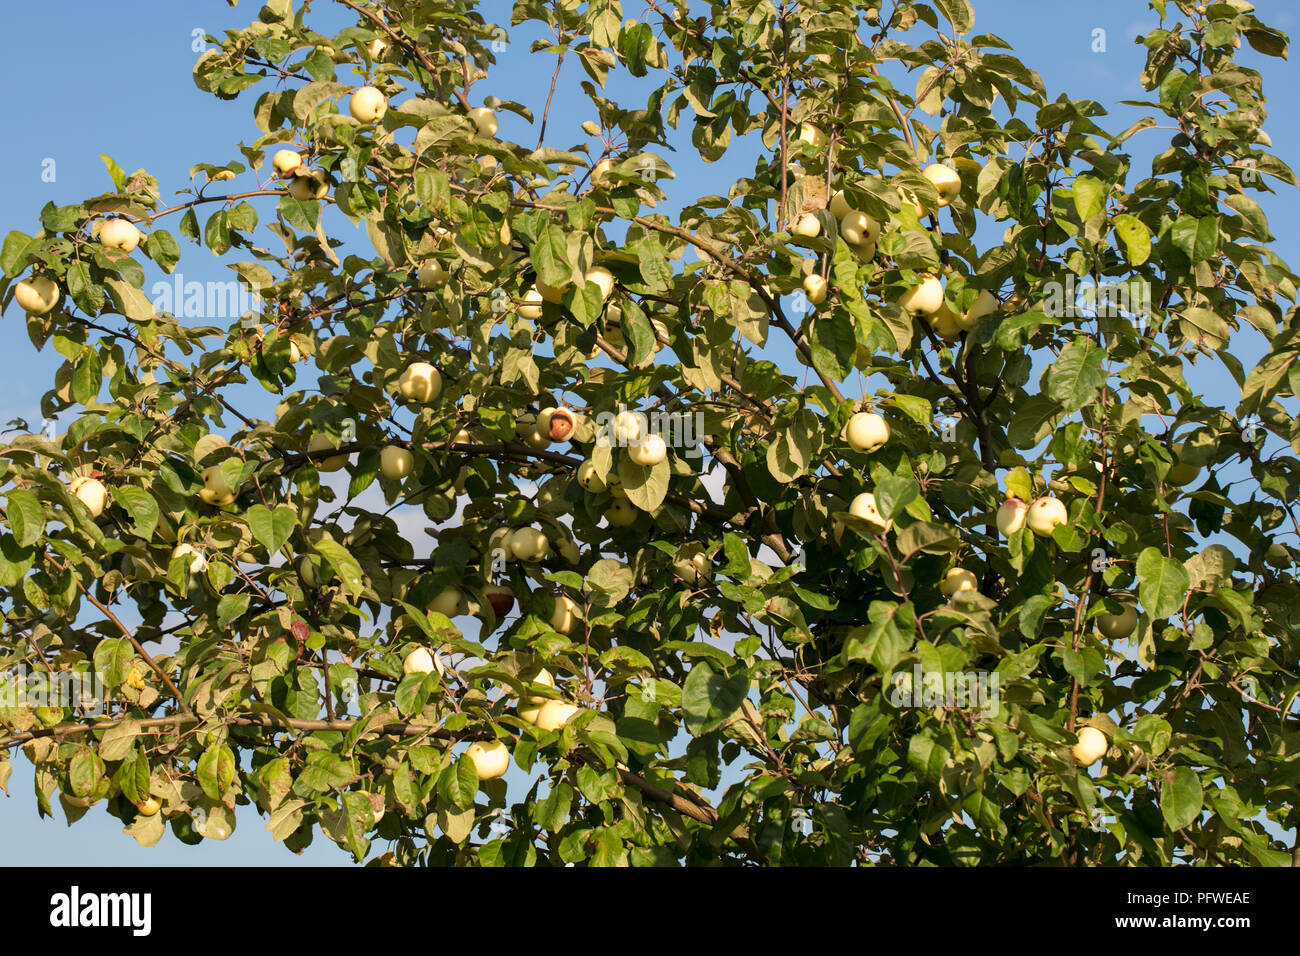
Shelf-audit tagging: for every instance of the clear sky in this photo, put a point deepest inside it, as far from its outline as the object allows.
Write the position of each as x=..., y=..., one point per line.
x=85, y=77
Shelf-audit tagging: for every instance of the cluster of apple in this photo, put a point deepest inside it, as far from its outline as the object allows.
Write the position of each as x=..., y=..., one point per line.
x=540, y=292
x=867, y=432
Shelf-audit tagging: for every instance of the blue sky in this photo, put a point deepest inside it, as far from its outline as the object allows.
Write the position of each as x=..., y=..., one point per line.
x=96, y=76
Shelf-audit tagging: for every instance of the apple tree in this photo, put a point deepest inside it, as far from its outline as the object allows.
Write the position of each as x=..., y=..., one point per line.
x=909, y=499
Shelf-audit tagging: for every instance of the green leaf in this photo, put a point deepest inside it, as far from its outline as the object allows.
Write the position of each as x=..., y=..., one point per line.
x=645, y=486
x=216, y=770
x=710, y=698
x=344, y=565
x=26, y=516
x=1074, y=379
x=1089, y=196
x=272, y=528
x=1181, y=798
x=1163, y=583
x=141, y=506
x=550, y=256
x=1136, y=237
x=112, y=659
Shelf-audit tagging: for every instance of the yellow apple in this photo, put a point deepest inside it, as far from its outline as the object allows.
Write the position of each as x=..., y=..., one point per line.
x=309, y=185
x=36, y=295
x=324, y=442
x=484, y=119
x=856, y=228
x=839, y=205
x=602, y=167
x=450, y=602
x=529, y=544
x=945, y=180
x=985, y=303
x=864, y=507
x=491, y=759
x=866, y=432
x=924, y=298
x=566, y=614
x=649, y=451
x=215, y=491
x=532, y=305
x=1092, y=746
x=119, y=234
x=814, y=287
x=807, y=225
x=420, y=661
x=148, y=807
x=554, y=714
x=1045, y=514
x=621, y=513
x=396, y=462
x=589, y=479
x=91, y=493
x=198, y=561
x=958, y=579
x=368, y=105
x=813, y=135
x=285, y=161
x=1011, y=516
x=421, y=383
x=603, y=279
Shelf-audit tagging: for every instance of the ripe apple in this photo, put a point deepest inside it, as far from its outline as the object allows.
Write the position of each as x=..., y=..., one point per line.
x=958, y=579
x=924, y=298
x=566, y=614
x=649, y=451
x=561, y=424
x=532, y=307
x=945, y=179
x=866, y=432
x=856, y=228
x=813, y=135
x=807, y=225
x=420, y=661
x=396, y=462
x=368, y=105
x=1011, y=516
x=865, y=251
x=554, y=714
x=285, y=161
x=215, y=491
x=1045, y=514
x=1117, y=626
x=198, y=561
x=551, y=293
x=543, y=678
x=491, y=759
x=449, y=602
x=501, y=599
x=814, y=287
x=839, y=205
x=91, y=493
x=431, y=274
x=148, y=807
x=308, y=185
x=603, y=279
x=323, y=442
x=621, y=513
x=602, y=167
x=864, y=507
x=484, y=119
x=421, y=383
x=946, y=323
x=119, y=234
x=1092, y=746
x=36, y=295
x=629, y=427
x=698, y=570
x=589, y=479
x=985, y=303
x=529, y=544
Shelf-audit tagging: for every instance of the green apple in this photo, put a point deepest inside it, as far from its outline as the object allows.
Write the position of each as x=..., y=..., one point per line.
x=421, y=383
x=554, y=714
x=813, y=135
x=814, y=287
x=1117, y=626
x=215, y=491
x=529, y=544
x=484, y=119
x=431, y=274
x=864, y=506
x=420, y=661
x=946, y=323
x=839, y=205
x=308, y=185
x=37, y=295
x=621, y=513
x=856, y=228
x=450, y=602
x=566, y=615
x=368, y=105
x=986, y=303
